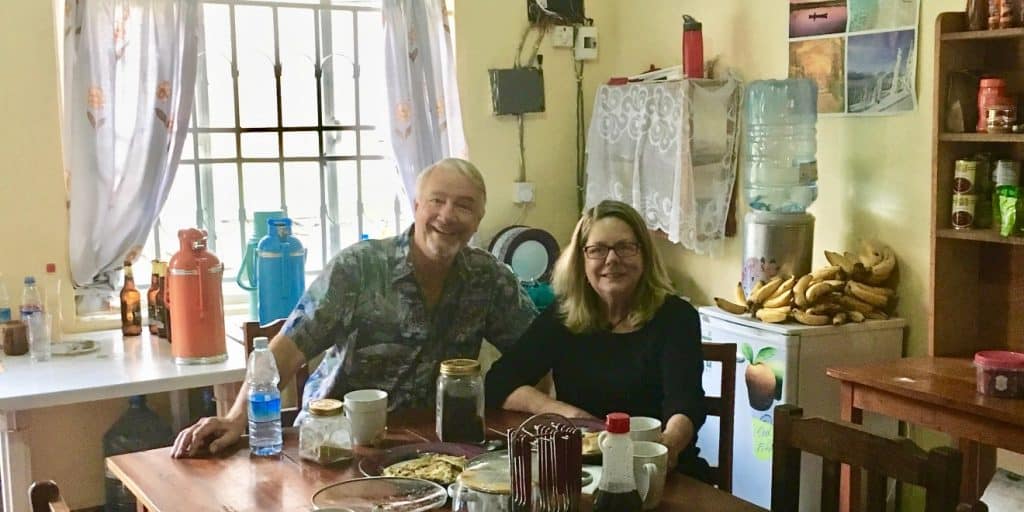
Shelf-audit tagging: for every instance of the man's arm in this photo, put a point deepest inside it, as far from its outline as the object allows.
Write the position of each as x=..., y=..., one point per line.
x=222, y=432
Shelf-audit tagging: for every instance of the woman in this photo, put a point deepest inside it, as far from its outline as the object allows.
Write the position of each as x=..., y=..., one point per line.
x=616, y=339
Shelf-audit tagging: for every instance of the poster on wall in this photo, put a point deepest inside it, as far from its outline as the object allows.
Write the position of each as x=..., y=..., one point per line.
x=862, y=54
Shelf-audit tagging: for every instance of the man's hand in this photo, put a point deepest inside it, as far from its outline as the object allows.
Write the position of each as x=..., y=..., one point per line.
x=219, y=433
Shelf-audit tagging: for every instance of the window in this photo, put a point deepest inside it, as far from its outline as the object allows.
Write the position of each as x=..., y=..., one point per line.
x=298, y=126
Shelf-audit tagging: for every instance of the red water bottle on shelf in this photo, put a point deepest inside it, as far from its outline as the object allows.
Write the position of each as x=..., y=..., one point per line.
x=693, y=48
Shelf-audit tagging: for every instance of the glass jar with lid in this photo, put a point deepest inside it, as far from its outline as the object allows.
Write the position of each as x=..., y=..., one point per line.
x=325, y=436
x=460, y=402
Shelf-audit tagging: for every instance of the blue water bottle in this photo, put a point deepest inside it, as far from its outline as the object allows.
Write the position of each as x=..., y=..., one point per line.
x=280, y=271
x=246, y=277
x=264, y=401
x=138, y=429
x=778, y=153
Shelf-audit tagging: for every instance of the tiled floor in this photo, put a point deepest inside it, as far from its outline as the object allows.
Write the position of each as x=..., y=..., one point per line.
x=1005, y=493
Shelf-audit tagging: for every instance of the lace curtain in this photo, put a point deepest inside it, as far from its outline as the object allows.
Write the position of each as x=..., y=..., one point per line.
x=129, y=80
x=669, y=150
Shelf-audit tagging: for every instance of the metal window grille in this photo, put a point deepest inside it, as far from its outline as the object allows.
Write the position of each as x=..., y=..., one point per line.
x=288, y=94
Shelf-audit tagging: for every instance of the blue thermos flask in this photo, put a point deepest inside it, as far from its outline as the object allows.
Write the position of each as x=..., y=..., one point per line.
x=280, y=271
x=246, y=278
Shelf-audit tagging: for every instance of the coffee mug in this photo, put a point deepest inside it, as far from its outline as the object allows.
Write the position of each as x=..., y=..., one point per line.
x=650, y=464
x=642, y=428
x=367, y=412
x=14, y=336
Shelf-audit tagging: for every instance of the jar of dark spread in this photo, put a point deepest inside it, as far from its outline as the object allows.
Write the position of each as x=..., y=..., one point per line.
x=1000, y=373
x=460, y=402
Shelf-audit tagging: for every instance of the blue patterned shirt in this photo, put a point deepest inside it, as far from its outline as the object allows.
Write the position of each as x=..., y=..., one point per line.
x=366, y=311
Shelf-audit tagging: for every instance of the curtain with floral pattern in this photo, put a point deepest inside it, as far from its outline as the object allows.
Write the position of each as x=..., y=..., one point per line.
x=129, y=82
x=423, y=97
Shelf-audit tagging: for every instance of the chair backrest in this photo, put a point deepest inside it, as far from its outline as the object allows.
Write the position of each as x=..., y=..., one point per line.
x=45, y=497
x=723, y=407
x=253, y=330
x=937, y=471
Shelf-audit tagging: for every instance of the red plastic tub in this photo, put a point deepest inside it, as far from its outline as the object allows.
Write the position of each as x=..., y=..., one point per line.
x=1000, y=373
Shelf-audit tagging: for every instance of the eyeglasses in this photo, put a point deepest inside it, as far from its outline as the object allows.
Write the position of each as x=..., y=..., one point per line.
x=621, y=249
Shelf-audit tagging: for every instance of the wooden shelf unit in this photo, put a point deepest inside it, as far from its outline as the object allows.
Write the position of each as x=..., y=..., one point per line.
x=977, y=276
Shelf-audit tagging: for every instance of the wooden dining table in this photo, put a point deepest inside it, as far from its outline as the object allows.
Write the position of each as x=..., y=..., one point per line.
x=234, y=481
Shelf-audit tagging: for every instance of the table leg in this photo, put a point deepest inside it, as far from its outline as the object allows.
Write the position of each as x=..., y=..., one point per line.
x=179, y=409
x=15, y=459
x=849, y=480
x=979, y=466
x=225, y=395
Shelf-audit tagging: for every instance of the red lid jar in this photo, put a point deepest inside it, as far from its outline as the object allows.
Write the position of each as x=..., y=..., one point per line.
x=1000, y=373
x=991, y=91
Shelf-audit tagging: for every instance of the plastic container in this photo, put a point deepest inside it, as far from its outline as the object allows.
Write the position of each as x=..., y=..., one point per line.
x=246, y=278
x=138, y=429
x=1000, y=373
x=52, y=300
x=280, y=271
x=31, y=301
x=693, y=48
x=5, y=302
x=264, y=401
x=460, y=402
x=991, y=91
x=325, y=436
x=617, y=489
x=778, y=154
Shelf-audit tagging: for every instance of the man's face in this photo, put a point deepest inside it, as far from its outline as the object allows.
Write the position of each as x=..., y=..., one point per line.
x=447, y=211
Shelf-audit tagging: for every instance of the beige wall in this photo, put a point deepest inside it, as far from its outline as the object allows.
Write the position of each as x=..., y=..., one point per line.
x=875, y=172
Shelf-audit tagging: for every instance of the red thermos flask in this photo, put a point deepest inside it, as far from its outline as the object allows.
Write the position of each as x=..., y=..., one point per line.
x=693, y=48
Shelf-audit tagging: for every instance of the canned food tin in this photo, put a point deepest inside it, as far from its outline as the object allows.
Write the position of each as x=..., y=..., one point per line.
x=1007, y=172
x=963, y=210
x=964, y=175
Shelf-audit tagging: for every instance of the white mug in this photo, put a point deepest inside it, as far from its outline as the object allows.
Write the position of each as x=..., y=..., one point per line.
x=650, y=465
x=642, y=428
x=367, y=411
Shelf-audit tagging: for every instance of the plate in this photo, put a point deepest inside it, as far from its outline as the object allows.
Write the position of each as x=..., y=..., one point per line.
x=381, y=494
x=374, y=465
x=74, y=348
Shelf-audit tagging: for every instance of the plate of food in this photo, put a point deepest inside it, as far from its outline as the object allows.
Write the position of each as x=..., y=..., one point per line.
x=437, y=462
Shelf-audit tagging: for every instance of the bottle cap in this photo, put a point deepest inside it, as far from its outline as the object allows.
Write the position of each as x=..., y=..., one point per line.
x=51, y=268
x=690, y=23
x=993, y=82
x=460, y=367
x=617, y=423
x=325, y=407
x=30, y=280
x=261, y=342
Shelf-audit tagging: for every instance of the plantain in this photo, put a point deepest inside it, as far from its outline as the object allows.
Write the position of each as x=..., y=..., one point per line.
x=786, y=286
x=855, y=316
x=825, y=308
x=826, y=273
x=855, y=304
x=773, y=315
x=731, y=307
x=876, y=315
x=800, y=290
x=807, y=318
x=757, y=287
x=817, y=291
x=757, y=298
x=878, y=290
x=836, y=259
x=779, y=300
x=840, y=318
x=882, y=270
x=741, y=296
x=836, y=284
x=866, y=294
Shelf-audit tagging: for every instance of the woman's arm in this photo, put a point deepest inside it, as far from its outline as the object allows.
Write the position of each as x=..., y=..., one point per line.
x=682, y=367
x=676, y=437
x=530, y=399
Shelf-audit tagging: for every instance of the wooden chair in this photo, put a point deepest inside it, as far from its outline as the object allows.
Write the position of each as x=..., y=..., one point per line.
x=938, y=470
x=253, y=330
x=45, y=497
x=723, y=407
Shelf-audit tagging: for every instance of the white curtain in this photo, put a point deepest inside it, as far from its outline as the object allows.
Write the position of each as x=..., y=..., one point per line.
x=423, y=97
x=129, y=81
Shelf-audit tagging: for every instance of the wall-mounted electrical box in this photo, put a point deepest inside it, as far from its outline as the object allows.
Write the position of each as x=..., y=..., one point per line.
x=517, y=90
x=586, y=43
x=571, y=11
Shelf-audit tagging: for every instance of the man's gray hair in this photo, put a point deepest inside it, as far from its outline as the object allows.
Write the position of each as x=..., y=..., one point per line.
x=463, y=167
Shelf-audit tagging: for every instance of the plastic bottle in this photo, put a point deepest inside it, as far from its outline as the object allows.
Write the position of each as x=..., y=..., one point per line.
x=778, y=153
x=5, y=302
x=31, y=302
x=693, y=48
x=138, y=429
x=52, y=300
x=264, y=401
x=616, y=491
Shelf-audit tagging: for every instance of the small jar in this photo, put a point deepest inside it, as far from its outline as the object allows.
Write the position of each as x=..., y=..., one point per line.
x=460, y=402
x=324, y=435
x=990, y=92
x=1000, y=118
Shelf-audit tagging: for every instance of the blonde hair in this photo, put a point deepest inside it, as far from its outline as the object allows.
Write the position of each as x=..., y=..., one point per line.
x=579, y=304
x=464, y=167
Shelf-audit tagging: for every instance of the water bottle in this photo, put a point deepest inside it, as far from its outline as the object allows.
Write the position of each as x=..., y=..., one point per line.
x=264, y=401
x=138, y=429
x=31, y=302
x=52, y=301
x=778, y=153
x=5, y=301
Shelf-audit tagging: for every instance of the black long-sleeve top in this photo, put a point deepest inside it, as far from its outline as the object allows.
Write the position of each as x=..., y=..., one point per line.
x=654, y=371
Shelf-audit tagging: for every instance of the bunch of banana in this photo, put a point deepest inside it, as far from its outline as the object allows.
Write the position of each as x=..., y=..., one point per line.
x=848, y=289
x=768, y=301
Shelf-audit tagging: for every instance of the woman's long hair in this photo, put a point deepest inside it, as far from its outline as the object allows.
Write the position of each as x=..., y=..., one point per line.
x=580, y=306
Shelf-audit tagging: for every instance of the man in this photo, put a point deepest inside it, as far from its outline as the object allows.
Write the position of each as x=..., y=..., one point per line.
x=385, y=313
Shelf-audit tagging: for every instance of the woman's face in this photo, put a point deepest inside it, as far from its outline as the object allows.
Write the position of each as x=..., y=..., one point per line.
x=612, y=259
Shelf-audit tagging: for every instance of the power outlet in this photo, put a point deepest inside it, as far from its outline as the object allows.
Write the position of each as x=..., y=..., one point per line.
x=561, y=37
x=522, y=192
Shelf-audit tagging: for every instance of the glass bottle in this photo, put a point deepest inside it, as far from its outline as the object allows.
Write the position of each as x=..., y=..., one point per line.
x=52, y=301
x=616, y=491
x=151, y=294
x=131, y=304
x=164, y=329
x=460, y=402
x=325, y=436
x=5, y=302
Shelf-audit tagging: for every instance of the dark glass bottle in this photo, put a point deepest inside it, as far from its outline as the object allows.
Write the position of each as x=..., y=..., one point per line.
x=164, y=331
x=138, y=429
x=131, y=304
x=154, y=290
